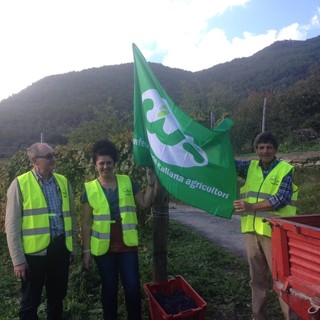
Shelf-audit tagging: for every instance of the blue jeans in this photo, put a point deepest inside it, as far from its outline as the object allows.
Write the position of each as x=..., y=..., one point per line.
x=110, y=266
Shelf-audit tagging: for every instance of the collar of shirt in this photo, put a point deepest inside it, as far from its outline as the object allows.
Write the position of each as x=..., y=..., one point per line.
x=40, y=178
x=272, y=164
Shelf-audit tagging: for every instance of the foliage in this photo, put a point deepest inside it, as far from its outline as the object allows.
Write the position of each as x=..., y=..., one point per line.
x=286, y=113
x=247, y=116
x=293, y=108
x=10, y=169
x=222, y=282
x=307, y=180
x=9, y=289
x=106, y=123
x=98, y=102
x=73, y=161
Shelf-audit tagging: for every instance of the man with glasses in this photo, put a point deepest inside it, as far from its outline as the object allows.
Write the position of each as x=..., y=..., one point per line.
x=41, y=230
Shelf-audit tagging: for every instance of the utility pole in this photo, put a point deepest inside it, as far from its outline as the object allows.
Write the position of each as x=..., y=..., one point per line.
x=212, y=120
x=263, y=128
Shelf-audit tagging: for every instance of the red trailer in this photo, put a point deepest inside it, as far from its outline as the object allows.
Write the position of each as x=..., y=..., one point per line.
x=296, y=263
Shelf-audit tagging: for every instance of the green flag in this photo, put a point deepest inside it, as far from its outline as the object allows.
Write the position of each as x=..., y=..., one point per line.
x=194, y=163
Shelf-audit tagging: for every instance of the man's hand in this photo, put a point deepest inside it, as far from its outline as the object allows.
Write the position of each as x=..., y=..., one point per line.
x=21, y=271
x=242, y=206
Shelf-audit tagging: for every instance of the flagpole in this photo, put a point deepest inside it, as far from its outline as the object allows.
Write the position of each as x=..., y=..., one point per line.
x=160, y=233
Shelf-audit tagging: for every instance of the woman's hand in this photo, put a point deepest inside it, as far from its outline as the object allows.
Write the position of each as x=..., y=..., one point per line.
x=87, y=259
x=151, y=177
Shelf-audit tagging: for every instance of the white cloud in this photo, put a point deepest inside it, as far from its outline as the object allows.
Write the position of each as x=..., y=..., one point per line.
x=315, y=21
x=43, y=37
x=293, y=32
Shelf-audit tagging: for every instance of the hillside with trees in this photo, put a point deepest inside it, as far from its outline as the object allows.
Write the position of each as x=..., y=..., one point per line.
x=77, y=108
x=98, y=102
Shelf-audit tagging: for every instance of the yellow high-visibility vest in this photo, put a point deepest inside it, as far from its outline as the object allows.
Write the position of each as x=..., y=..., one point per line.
x=35, y=215
x=100, y=235
x=257, y=189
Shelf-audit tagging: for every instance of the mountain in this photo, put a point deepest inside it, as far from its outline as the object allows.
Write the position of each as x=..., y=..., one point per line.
x=58, y=103
x=276, y=66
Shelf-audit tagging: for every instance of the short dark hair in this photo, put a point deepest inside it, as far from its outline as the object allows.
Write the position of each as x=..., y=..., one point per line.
x=265, y=137
x=104, y=148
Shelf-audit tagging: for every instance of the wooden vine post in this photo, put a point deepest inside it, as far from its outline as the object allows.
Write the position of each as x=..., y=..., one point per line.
x=160, y=233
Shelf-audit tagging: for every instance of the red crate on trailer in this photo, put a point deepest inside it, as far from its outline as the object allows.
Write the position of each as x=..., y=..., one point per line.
x=168, y=287
x=296, y=262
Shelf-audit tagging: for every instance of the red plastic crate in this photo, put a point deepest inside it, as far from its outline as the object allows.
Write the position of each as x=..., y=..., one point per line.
x=168, y=287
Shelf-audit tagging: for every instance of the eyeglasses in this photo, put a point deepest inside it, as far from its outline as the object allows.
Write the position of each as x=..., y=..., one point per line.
x=48, y=156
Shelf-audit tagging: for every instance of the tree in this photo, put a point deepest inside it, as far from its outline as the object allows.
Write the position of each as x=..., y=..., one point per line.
x=106, y=123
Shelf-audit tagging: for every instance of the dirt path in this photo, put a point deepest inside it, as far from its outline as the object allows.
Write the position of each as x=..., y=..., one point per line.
x=292, y=156
x=223, y=232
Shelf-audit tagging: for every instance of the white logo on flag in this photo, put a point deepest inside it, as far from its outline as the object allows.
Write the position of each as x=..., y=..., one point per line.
x=184, y=152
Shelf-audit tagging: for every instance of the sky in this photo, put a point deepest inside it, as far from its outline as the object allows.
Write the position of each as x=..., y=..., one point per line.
x=39, y=38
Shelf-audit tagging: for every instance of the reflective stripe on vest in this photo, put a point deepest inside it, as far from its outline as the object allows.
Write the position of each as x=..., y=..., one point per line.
x=35, y=216
x=257, y=189
x=264, y=196
x=100, y=235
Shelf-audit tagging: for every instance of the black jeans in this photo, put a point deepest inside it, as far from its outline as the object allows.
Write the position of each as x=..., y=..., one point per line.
x=51, y=271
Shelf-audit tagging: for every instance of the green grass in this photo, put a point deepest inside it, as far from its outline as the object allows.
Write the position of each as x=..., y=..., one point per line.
x=218, y=277
x=293, y=146
x=9, y=287
x=307, y=180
